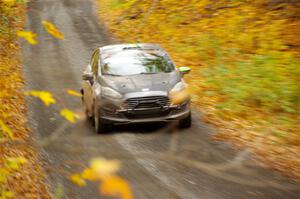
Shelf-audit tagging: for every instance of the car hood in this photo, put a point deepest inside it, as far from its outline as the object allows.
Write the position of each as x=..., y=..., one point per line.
x=144, y=82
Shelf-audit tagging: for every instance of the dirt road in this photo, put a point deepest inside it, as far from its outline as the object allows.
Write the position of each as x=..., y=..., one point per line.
x=159, y=161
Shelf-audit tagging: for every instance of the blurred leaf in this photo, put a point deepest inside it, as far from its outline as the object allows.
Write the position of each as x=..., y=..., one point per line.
x=15, y=163
x=29, y=36
x=3, y=174
x=22, y=1
x=52, y=30
x=6, y=194
x=115, y=186
x=89, y=174
x=74, y=93
x=45, y=96
x=102, y=167
x=4, y=128
x=9, y=2
x=78, y=180
x=69, y=115
x=104, y=171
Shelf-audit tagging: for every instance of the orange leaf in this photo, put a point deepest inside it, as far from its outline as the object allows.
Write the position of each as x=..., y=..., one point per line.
x=52, y=30
x=74, y=93
x=89, y=174
x=78, y=180
x=115, y=186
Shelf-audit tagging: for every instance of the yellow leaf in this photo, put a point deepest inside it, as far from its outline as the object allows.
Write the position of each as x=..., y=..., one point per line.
x=6, y=129
x=103, y=168
x=15, y=163
x=72, y=92
x=45, y=96
x=89, y=174
x=69, y=115
x=78, y=180
x=115, y=186
x=9, y=2
x=7, y=194
x=29, y=36
x=52, y=30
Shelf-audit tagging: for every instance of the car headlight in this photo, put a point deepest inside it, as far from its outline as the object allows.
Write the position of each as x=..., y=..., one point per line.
x=180, y=86
x=108, y=92
x=179, y=93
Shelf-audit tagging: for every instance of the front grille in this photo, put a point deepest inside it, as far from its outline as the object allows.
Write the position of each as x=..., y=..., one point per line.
x=140, y=115
x=147, y=102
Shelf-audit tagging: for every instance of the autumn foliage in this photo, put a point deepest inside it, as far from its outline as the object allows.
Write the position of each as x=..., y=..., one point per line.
x=245, y=64
x=20, y=172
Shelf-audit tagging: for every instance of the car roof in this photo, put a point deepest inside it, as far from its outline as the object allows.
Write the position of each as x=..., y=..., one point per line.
x=142, y=46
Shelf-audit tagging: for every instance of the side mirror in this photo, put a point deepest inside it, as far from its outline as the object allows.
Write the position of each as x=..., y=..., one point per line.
x=87, y=76
x=184, y=70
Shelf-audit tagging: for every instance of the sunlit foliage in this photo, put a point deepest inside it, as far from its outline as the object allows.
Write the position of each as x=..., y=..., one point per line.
x=4, y=129
x=245, y=61
x=243, y=53
x=10, y=82
x=218, y=35
x=15, y=161
x=7, y=168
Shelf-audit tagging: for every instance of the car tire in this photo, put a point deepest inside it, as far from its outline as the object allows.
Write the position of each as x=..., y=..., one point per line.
x=100, y=126
x=186, y=122
x=89, y=118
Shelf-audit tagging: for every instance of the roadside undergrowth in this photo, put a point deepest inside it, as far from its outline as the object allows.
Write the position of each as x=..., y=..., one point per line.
x=20, y=171
x=245, y=65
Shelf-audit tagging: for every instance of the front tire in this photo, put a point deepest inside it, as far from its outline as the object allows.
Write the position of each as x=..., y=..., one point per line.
x=89, y=117
x=100, y=126
x=186, y=122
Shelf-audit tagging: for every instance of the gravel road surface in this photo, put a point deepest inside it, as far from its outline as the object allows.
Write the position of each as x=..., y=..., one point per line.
x=158, y=160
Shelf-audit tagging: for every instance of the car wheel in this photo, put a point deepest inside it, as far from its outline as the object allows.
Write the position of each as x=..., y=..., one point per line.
x=100, y=127
x=87, y=115
x=82, y=99
x=186, y=122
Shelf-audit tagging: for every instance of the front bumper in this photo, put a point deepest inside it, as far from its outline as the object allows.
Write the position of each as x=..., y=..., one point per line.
x=167, y=114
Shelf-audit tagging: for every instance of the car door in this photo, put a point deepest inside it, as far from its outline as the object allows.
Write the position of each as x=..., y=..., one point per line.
x=88, y=84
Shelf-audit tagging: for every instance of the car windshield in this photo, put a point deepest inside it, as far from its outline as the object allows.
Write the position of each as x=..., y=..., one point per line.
x=135, y=61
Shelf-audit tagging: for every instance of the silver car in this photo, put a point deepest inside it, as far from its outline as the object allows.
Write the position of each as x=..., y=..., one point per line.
x=134, y=83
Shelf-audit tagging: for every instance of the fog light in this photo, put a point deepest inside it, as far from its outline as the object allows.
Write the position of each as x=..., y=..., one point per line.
x=178, y=98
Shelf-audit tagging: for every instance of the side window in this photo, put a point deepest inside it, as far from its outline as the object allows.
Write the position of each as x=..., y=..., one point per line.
x=95, y=63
